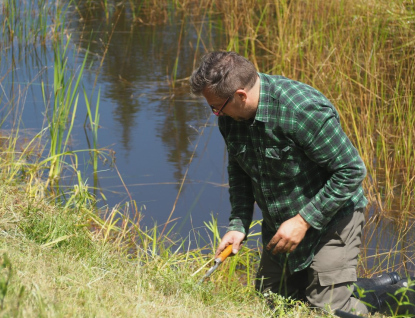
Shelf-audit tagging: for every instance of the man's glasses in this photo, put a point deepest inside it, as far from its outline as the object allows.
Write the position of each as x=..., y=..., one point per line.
x=219, y=112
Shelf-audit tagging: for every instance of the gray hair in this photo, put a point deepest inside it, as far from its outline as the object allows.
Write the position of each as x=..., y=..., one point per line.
x=222, y=73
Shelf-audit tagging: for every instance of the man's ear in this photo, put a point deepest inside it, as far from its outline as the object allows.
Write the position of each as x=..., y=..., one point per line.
x=242, y=94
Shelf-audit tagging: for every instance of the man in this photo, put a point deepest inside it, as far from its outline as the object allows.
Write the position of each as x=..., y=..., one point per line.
x=288, y=153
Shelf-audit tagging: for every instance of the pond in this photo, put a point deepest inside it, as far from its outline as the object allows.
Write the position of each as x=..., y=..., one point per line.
x=168, y=155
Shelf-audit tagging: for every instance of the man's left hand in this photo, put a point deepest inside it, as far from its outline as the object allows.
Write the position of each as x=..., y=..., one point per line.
x=289, y=235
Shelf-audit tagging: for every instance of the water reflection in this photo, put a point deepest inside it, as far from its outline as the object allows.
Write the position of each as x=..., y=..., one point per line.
x=162, y=136
x=137, y=62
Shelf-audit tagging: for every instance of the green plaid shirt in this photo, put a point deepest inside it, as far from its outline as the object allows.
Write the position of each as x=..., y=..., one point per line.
x=292, y=158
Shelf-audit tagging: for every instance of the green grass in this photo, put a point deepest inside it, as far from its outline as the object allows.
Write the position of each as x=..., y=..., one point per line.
x=57, y=266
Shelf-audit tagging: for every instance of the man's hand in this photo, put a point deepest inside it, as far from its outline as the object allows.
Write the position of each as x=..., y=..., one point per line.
x=232, y=237
x=289, y=235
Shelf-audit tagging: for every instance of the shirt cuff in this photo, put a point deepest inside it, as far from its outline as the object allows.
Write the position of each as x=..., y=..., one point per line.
x=237, y=225
x=313, y=216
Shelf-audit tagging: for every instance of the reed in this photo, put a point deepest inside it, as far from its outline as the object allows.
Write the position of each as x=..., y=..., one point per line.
x=65, y=102
x=9, y=22
x=94, y=124
x=25, y=22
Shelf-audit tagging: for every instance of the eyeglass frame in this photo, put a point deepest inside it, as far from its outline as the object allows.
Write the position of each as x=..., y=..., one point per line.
x=217, y=112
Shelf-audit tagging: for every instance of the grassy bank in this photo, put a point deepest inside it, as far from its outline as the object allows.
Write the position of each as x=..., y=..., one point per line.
x=53, y=265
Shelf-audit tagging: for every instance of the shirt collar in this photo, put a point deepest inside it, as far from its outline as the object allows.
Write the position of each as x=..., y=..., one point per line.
x=264, y=103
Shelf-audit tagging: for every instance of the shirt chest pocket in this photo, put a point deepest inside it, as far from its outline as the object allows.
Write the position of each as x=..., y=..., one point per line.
x=281, y=161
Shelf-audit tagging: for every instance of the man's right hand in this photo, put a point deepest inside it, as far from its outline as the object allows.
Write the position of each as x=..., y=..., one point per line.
x=232, y=237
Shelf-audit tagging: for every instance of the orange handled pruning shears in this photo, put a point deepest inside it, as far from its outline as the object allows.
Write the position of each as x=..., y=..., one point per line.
x=218, y=260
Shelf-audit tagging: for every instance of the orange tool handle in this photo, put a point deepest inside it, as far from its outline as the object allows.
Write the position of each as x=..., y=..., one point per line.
x=225, y=253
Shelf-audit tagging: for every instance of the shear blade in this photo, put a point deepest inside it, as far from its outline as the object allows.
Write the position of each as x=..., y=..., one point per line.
x=210, y=271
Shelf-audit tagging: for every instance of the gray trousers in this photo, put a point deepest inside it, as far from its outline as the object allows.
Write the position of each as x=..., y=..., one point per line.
x=333, y=269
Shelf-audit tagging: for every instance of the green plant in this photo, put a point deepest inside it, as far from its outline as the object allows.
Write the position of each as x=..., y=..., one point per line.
x=65, y=103
x=94, y=124
x=5, y=276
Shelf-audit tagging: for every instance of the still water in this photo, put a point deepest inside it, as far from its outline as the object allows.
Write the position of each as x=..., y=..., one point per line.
x=169, y=155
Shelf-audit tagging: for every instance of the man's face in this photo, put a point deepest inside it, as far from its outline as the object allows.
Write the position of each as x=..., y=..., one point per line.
x=236, y=106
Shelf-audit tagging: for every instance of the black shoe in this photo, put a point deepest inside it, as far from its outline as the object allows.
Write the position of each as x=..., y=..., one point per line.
x=371, y=283
x=391, y=300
